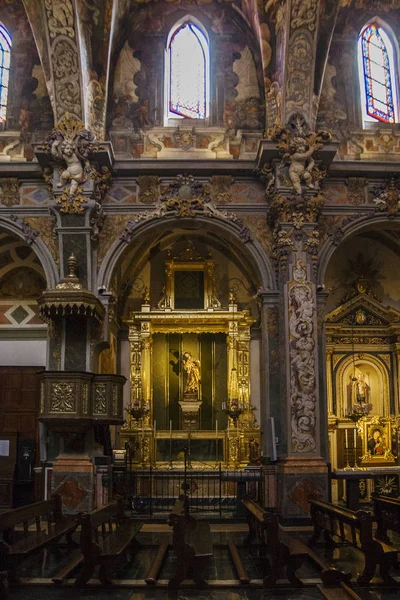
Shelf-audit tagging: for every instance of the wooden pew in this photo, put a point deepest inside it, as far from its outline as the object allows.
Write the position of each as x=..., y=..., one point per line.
x=192, y=544
x=354, y=528
x=283, y=550
x=42, y=523
x=106, y=535
x=387, y=515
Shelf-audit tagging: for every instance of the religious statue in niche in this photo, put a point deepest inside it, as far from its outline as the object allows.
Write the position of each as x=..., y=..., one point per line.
x=359, y=393
x=191, y=366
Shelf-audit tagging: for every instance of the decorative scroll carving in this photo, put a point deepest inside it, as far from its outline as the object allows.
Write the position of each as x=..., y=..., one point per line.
x=62, y=398
x=221, y=188
x=9, y=191
x=100, y=399
x=28, y=233
x=46, y=228
x=387, y=197
x=148, y=188
x=356, y=190
x=60, y=16
x=185, y=198
x=304, y=14
x=85, y=398
x=302, y=361
x=298, y=83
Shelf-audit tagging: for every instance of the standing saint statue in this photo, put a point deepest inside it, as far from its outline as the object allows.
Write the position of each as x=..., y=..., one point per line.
x=358, y=390
x=192, y=368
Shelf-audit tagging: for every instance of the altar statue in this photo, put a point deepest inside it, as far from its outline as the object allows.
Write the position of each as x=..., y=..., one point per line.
x=358, y=391
x=192, y=368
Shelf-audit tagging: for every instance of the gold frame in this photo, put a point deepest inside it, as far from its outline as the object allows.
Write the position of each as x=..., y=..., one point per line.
x=385, y=427
x=211, y=301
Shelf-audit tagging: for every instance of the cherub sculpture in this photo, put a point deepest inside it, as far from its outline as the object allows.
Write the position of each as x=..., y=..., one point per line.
x=70, y=144
x=299, y=145
x=301, y=163
x=65, y=151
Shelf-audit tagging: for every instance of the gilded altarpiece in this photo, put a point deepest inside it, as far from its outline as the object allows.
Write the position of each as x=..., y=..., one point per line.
x=187, y=367
x=362, y=366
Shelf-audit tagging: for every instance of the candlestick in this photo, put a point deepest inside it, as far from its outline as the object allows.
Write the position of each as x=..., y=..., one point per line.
x=216, y=428
x=347, y=438
x=170, y=465
x=355, y=439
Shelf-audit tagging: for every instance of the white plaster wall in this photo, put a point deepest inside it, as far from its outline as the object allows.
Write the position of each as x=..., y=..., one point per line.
x=20, y=353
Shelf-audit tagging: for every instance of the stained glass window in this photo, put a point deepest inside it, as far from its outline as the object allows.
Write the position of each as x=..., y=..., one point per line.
x=378, y=73
x=188, y=66
x=5, y=55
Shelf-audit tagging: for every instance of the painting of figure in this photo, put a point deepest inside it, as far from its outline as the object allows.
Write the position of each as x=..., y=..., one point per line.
x=377, y=443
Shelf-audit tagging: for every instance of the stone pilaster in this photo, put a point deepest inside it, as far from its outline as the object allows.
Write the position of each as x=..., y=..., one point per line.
x=295, y=203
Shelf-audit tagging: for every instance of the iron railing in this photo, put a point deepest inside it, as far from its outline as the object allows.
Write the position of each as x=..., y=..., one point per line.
x=216, y=492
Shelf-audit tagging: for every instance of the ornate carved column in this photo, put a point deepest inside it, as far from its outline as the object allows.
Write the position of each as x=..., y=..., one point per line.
x=295, y=203
x=76, y=402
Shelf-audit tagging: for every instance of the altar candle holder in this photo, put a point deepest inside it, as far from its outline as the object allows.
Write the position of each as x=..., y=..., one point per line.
x=189, y=463
x=217, y=462
x=142, y=449
x=170, y=465
x=348, y=466
x=356, y=467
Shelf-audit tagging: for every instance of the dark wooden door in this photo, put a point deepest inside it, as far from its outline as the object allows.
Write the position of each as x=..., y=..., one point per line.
x=19, y=407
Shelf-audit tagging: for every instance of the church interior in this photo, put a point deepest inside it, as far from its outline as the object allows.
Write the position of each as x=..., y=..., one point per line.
x=199, y=299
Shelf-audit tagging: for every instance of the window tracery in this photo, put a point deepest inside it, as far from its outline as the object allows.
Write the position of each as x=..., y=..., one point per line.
x=378, y=84
x=5, y=56
x=187, y=69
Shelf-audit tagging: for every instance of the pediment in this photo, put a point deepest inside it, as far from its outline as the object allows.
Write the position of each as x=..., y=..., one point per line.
x=363, y=311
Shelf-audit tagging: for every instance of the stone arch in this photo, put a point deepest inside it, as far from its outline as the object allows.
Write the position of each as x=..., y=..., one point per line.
x=252, y=248
x=38, y=246
x=364, y=222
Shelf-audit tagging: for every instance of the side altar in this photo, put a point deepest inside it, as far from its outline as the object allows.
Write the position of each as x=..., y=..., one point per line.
x=190, y=390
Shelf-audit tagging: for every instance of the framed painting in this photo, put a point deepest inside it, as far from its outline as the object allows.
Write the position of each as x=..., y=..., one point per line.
x=377, y=442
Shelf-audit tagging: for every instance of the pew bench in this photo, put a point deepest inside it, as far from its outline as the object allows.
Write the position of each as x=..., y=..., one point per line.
x=284, y=551
x=387, y=515
x=106, y=535
x=41, y=524
x=192, y=543
x=355, y=529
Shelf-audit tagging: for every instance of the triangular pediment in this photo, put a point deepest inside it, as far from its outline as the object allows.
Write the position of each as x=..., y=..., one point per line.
x=363, y=311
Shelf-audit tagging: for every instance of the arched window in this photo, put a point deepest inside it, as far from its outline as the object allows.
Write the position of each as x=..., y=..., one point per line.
x=187, y=72
x=378, y=75
x=5, y=51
